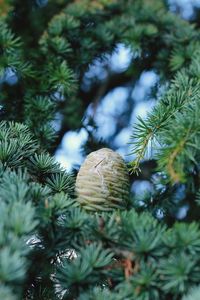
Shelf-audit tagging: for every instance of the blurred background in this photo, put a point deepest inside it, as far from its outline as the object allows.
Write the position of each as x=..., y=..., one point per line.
x=109, y=119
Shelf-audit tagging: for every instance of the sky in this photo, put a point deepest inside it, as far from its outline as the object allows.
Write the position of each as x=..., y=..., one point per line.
x=110, y=108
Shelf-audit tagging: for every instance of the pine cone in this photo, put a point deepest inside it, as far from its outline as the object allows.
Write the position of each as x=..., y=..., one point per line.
x=102, y=183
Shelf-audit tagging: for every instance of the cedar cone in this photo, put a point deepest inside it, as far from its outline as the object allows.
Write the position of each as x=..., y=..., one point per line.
x=102, y=182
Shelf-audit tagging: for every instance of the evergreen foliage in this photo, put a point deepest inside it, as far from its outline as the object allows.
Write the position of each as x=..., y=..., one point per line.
x=50, y=247
x=193, y=294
